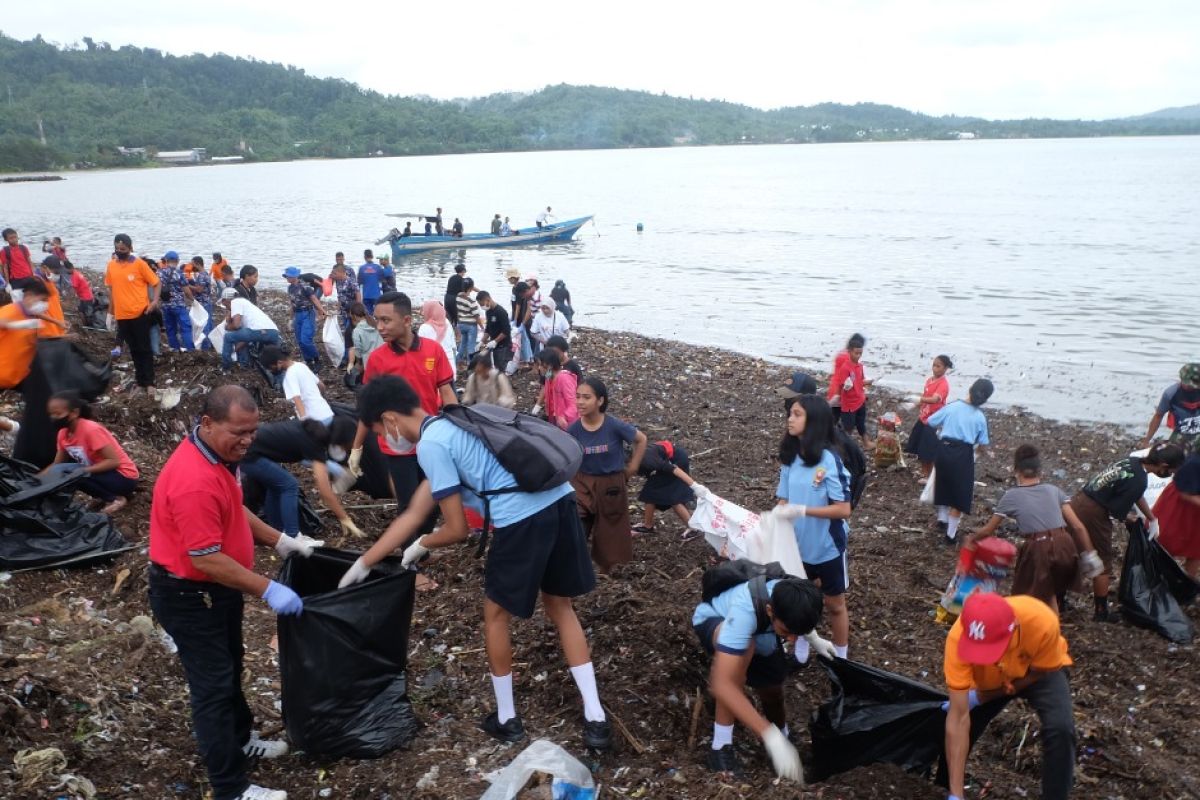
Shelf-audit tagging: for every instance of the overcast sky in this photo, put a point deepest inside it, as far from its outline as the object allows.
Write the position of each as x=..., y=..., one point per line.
x=1088, y=59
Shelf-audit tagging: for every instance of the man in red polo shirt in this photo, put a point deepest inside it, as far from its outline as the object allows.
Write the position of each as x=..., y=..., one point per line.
x=201, y=557
x=421, y=362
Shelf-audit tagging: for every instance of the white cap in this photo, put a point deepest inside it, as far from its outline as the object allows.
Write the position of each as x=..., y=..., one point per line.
x=229, y=294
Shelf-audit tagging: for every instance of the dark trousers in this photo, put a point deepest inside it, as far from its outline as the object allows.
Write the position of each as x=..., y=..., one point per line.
x=106, y=486
x=282, y=490
x=36, y=440
x=406, y=476
x=1051, y=699
x=205, y=620
x=136, y=335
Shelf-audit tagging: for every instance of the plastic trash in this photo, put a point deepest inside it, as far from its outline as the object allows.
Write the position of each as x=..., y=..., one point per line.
x=343, y=662
x=333, y=339
x=69, y=368
x=874, y=716
x=926, y=496
x=571, y=779
x=199, y=318
x=216, y=337
x=1154, y=588
x=737, y=533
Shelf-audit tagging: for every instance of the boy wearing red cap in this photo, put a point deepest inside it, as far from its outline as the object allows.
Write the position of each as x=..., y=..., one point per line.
x=998, y=649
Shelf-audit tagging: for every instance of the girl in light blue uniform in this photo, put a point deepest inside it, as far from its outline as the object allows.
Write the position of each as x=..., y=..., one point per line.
x=814, y=494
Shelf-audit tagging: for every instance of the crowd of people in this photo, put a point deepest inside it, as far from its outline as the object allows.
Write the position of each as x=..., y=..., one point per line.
x=547, y=545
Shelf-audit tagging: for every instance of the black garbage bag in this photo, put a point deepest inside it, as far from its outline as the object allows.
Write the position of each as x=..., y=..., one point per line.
x=343, y=662
x=69, y=368
x=875, y=716
x=41, y=526
x=1150, y=579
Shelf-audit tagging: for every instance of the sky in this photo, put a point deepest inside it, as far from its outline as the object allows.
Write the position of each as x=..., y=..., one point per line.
x=1066, y=59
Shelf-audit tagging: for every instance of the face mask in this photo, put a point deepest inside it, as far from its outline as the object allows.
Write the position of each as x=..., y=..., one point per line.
x=38, y=307
x=60, y=422
x=397, y=443
x=337, y=453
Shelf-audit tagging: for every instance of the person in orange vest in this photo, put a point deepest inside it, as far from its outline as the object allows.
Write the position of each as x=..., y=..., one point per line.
x=20, y=322
x=218, y=263
x=134, y=289
x=998, y=649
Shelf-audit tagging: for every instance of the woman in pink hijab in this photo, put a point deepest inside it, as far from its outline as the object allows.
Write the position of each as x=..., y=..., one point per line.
x=438, y=328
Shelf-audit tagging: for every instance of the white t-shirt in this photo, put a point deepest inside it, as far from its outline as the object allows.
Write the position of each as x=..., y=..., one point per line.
x=299, y=381
x=448, y=343
x=253, y=317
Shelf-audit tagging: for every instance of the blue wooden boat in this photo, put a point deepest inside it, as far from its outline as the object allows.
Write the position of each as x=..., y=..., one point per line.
x=420, y=243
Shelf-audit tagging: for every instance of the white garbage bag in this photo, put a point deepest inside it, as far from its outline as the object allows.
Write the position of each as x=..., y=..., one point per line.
x=927, y=492
x=572, y=780
x=737, y=533
x=199, y=317
x=217, y=337
x=332, y=338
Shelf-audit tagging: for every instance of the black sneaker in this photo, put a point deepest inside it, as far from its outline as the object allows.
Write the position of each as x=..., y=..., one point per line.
x=511, y=731
x=724, y=760
x=597, y=735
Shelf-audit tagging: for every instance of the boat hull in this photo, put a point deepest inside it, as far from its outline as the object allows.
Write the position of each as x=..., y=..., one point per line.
x=559, y=232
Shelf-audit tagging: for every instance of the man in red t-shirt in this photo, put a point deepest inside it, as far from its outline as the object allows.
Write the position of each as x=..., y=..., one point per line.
x=16, y=265
x=423, y=363
x=201, y=554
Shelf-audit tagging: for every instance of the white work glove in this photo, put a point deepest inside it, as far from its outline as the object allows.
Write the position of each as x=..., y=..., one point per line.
x=414, y=553
x=1152, y=530
x=491, y=345
x=701, y=492
x=299, y=544
x=537, y=409
x=349, y=527
x=1090, y=564
x=783, y=755
x=822, y=647
x=25, y=324
x=790, y=511
x=357, y=573
x=352, y=462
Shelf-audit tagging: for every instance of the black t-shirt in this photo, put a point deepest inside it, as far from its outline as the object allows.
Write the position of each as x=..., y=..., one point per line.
x=248, y=292
x=454, y=285
x=573, y=367
x=498, y=324
x=284, y=443
x=1118, y=487
x=560, y=295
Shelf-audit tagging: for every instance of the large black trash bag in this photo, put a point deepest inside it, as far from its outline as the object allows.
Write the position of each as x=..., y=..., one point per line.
x=1153, y=586
x=875, y=716
x=343, y=662
x=69, y=368
x=41, y=526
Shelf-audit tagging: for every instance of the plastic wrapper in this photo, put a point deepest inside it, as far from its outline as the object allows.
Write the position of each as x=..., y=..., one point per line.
x=1154, y=588
x=570, y=779
x=735, y=533
x=875, y=717
x=216, y=337
x=343, y=662
x=333, y=339
x=198, y=316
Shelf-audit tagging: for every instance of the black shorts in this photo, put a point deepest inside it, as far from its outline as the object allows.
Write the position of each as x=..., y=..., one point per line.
x=768, y=670
x=834, y=575
x=545, y=552
x=406, y=476
x=855, y=421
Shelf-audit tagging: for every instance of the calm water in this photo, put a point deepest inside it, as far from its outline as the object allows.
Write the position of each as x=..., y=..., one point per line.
x=1064, y=270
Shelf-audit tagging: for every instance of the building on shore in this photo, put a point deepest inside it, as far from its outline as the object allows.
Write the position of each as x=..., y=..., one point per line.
x=193, y=156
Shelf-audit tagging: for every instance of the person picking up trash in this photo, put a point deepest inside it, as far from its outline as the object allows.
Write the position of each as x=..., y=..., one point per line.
x=741, y=628
x=201, y=558
x=110, y=475
x=1001, y=648
x=538, y=548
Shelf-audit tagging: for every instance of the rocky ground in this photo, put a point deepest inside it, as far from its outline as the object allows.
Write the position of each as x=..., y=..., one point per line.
x=80, y=672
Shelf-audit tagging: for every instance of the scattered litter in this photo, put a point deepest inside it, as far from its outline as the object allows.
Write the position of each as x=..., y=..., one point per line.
x=571, y=779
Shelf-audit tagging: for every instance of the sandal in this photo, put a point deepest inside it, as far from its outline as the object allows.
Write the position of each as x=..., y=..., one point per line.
x=114, y=506
x=689, y=534
x=642, y=530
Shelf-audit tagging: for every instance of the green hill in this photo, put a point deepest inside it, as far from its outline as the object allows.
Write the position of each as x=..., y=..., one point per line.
x=77, y=105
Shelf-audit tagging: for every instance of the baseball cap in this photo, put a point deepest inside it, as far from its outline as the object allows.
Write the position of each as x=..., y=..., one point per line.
x=229, y=294
x=170, y=255
x=801, y=383
x=291, y=272
x=988, y=623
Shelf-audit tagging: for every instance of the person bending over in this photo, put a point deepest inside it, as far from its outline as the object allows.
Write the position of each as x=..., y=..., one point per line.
x=86, y=445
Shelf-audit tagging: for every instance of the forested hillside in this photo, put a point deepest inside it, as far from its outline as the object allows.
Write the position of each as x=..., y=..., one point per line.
x=76, y=105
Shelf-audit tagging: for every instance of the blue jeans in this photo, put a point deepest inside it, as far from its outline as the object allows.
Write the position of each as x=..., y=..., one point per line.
x=281, y=508
x=466, y=344
x=240, y=335
x=179, y=327
x=106, y=486
x=155, y=340
x=304, y=324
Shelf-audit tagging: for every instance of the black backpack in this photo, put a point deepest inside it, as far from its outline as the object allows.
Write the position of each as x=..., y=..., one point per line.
x=855, y=462
x=537, y=454
x=729, y=574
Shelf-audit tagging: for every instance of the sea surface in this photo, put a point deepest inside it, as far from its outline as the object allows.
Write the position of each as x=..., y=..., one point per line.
x=1065, y=270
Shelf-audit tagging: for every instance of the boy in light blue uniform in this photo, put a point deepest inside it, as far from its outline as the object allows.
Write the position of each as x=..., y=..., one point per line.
x=746, y=655
x=538, y=546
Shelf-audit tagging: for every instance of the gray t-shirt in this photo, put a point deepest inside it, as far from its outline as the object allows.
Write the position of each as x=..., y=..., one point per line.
x=1035, y=508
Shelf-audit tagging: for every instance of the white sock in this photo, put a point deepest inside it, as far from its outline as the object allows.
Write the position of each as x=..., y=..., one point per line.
x=943, y=514
x=800, y=650
x=585, y=679
x=952, y=528
x=840, y=650
x=502, y=687
x=722, y=735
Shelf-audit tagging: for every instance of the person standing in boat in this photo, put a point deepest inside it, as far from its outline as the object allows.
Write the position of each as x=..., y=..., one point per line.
x=496, y=225
x=543, y=219
x=437, y=223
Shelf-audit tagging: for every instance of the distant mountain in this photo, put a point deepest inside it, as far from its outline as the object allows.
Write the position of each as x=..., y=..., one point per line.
x=1176, y=113
x=92, y=105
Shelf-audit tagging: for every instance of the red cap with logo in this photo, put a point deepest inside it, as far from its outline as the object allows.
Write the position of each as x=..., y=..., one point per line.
x=988, y=623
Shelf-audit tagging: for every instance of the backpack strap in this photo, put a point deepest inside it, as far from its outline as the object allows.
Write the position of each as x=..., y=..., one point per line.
x=487, y=495
x=758, y=595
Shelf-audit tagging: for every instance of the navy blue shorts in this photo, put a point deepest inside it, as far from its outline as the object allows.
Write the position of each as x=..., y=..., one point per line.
x=545, y=552
x=768, y=670
x=832, y=575
x=855, y=421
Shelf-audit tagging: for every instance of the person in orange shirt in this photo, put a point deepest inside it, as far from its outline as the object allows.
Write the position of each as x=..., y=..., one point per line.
x=218, y=263
x=19, y=370
x=135, y=296
x=57, y=326
x=998, y=649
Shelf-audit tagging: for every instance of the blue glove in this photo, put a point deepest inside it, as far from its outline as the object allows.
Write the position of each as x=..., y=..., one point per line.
x=953, y=797
x=972, y=703
x=283, y=600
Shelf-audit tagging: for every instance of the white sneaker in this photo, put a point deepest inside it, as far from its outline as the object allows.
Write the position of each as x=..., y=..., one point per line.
x=264, y=748
x=262, y=793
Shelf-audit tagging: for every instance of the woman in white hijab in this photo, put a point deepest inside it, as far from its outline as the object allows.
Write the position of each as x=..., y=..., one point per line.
x=548, y=321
